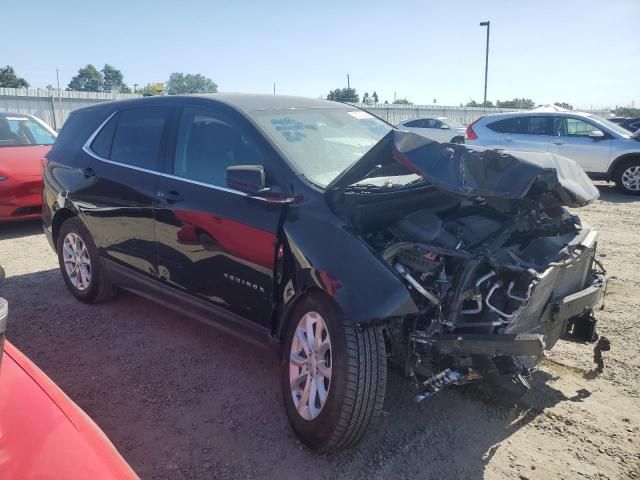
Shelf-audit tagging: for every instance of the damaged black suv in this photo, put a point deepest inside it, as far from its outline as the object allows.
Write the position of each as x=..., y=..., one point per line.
x=348, y=242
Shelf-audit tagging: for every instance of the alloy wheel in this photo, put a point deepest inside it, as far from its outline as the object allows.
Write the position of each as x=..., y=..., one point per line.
x=310, y=365
x=631, y=178
x=77, y=263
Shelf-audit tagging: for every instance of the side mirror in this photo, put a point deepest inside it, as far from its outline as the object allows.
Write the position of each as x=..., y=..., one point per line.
x=597, y=134
x=249, y=179
x=445, y=127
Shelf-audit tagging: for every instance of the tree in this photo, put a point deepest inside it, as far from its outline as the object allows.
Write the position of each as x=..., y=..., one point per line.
x=473, y=103
x=148, y=90
x=375, y=97
x=365, y=97
x=88, y=79
x=402, y=101
x=9, y=79
x=516, y=103
x=627, y=112
x=344, y=95
x=112, y=80
x=179, y=84
x=564, y=105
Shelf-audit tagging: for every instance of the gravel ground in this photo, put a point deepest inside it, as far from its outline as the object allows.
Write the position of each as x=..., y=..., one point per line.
x=182, y=401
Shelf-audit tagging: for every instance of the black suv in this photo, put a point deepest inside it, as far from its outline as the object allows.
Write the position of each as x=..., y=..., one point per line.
x=319, y=226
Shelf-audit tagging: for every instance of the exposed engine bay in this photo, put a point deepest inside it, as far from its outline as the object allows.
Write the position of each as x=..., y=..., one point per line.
x=497, y=280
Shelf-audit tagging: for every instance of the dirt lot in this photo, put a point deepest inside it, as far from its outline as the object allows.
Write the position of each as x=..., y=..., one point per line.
x=183, y=401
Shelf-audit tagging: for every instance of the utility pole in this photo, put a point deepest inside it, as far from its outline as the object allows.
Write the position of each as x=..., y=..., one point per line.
x=486, y=61
x=274, y=88
x=135, y=87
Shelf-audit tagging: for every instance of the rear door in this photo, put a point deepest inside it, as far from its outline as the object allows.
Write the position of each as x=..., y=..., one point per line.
x=117, y=194
x=214, y=242
x=571, y=139
x=523, y=133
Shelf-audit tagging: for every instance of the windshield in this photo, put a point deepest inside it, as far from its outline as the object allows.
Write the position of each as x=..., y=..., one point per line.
x=18, y=130
x=452, y=123
x=612, y=126
x=322, y=142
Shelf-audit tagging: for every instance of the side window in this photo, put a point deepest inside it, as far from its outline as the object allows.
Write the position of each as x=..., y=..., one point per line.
x=436, y=124
x=208, y=143
x=414, y=124
x=572, y=127
x=102, y=143
x=508, y=125
x=137, y=137
x=538, y=125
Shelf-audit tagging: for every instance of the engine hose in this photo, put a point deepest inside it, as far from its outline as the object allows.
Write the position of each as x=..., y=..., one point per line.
x=409, y=278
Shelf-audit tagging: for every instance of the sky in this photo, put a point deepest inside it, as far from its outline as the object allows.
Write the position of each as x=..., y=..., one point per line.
x=582, y=52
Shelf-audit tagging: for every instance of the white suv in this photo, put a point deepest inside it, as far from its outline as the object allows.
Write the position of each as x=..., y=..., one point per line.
x=603, y=149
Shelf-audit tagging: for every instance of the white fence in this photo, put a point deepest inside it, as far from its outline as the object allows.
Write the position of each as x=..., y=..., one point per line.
x=52, y=106
x=394, y=113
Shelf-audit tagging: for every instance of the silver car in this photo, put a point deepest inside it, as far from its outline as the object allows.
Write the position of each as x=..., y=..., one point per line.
x=440, y=129
x=603, y=149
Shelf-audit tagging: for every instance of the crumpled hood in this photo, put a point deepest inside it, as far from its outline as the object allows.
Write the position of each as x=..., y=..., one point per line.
x=477, y=172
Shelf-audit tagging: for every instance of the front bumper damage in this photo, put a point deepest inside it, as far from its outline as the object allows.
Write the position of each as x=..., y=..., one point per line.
x=562, y=305
x=570, y=317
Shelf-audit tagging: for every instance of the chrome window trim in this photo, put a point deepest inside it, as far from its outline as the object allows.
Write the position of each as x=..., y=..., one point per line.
x=87, y=149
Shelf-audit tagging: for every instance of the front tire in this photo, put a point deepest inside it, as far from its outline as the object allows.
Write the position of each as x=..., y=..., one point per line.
x=627, y=176
x=333, y=375
x=81, y=266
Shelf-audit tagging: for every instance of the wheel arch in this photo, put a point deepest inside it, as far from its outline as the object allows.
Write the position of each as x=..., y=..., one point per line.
x=620, y=160
x=61, y=216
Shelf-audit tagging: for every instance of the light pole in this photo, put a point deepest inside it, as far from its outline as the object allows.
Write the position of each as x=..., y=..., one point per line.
x=486, y=62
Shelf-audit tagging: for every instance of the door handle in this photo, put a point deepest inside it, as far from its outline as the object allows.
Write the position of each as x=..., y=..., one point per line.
x=87, y=172
x=170, y=197
x=558, y=142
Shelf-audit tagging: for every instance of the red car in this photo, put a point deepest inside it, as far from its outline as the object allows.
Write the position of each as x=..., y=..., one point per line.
x=43, y=434
x=24, y=140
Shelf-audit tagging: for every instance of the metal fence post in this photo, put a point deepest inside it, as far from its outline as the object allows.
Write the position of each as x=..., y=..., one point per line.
x=53, y=113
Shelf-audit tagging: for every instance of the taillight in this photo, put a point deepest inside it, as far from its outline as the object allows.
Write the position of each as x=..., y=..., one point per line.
x=470, y=134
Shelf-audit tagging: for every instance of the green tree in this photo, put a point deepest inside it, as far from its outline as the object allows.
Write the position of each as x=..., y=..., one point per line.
x=365, y=97
x=375, y=97
x=9, y=79
x=564, y=105
x=473, y=103
x=402, y=101
x=344, y=95
x=148, y=90
x=179, y=84
x=516, y=103
x=627, y=112
x=88, y=79
x=112, y=79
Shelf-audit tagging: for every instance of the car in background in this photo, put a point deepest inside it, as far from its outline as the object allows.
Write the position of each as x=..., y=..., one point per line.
x=631, y=124
x=605, y=151
x=440, y=129
x=44, y=434
x=24, y=141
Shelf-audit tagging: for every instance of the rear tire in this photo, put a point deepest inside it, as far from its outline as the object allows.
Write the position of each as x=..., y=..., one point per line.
x=355, y=392
x=459, y=140
x=81, y=267
x=627, y=176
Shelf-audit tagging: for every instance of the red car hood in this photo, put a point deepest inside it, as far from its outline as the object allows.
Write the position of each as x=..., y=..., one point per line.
x=43, y=434
x=23, y=161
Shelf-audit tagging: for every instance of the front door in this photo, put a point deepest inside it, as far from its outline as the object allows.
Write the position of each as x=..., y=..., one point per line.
x=571, y=139
x=117, y=195
x=215, y=242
